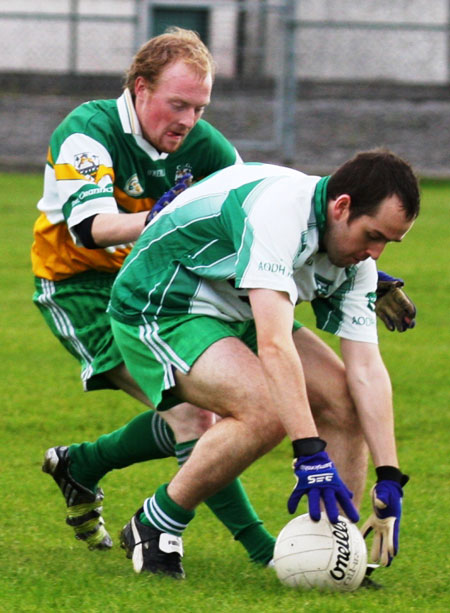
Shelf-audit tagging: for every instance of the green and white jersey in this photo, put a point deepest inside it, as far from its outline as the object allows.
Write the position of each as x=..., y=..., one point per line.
x=99, y=162
x=250, y=226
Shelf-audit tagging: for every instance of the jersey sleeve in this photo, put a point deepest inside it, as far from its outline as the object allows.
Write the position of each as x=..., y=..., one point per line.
x=83, y=178
x=350, y=311
x=272, y=237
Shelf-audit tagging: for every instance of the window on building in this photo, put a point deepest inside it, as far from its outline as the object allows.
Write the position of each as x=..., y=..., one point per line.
x=196, y=19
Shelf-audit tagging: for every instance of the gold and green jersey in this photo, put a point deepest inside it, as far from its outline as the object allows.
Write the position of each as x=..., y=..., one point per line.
x=99, y=162
x=249, y=226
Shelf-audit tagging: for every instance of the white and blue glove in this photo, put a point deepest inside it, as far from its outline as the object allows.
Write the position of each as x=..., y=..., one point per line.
x=182, y=183
x=387, y=496
x=318, y=478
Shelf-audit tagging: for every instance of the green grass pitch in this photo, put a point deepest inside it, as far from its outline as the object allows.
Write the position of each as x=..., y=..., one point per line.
x=43, y=568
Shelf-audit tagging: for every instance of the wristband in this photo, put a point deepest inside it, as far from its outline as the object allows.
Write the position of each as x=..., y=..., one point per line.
x=391, y=473
x=304, y=447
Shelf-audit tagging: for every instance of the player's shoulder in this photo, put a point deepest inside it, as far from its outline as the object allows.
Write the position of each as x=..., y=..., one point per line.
x=204, y=127
x=294, y=183
x=368, y=267
x=89, y=114
x=95, y=120
x=203, y=130
x=366, y=274
x=208, y=148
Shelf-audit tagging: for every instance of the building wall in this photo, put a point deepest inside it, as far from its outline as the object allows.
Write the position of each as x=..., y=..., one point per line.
x=390, y=40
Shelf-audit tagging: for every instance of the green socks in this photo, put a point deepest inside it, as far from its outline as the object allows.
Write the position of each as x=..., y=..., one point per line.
x=161, y=512
x=146, y=437
x=232, y=507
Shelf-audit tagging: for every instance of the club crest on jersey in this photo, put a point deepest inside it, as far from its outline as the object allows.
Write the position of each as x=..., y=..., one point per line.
x=322, y=286
x=132, y=187
x=181, y=170
x=87, y=164
x=371, y=299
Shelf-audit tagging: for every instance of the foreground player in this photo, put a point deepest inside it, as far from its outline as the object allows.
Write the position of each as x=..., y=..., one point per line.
x=223, y=266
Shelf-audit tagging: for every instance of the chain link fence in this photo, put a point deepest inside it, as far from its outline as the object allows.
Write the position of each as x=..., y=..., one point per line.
x=304, y=82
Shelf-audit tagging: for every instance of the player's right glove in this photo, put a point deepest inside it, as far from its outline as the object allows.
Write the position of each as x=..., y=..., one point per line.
x=318, y=478
x=182, y=183
x=387, y=497
x=393, y=306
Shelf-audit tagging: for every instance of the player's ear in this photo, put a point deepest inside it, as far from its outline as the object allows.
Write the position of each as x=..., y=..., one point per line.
x=140, y=85
x=340, y=207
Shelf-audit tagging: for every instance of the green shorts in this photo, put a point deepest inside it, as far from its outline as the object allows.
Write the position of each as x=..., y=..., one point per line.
x=154, y=351
x=75, y=311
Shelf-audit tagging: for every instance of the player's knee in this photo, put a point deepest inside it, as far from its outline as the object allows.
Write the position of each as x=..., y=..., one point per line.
x=188, y=422
x=339, y=413
x=346, y=414
x=273, y=435
x=265, y=428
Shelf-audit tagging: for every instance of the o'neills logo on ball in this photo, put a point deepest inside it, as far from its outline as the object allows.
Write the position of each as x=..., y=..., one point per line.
x=344, y=567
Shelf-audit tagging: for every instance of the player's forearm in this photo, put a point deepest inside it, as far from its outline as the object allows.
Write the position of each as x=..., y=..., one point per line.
x=375, y=412
x=370, y=388
x=274, y=316
x=286, y=383
x=114, y=229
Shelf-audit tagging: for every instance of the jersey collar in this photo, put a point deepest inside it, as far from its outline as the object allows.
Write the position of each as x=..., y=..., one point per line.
x=320, y=208
x=130, y=125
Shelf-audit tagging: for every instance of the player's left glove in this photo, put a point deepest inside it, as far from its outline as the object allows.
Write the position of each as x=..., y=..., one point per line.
x=387, y=497
x=182, y=183
x=393, y=306
x=318, y=478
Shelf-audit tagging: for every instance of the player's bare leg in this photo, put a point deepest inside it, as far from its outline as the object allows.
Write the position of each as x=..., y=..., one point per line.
x=186, y=421
x=333, y=410
x=228, y=378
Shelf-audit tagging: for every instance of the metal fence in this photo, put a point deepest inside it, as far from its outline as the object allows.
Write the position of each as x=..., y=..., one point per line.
x=280, y=53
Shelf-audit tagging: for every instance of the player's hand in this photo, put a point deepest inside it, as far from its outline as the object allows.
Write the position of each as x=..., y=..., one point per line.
x=387, y=497
x=393, y=306
x=182, y=183
x=317, y=477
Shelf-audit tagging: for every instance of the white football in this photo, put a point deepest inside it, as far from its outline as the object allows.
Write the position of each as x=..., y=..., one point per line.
x=321, y=555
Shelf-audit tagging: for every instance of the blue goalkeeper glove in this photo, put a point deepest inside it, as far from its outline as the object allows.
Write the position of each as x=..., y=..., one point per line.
x=317, y=477
x=393, y=306
x=387, y=496
x=182, y=183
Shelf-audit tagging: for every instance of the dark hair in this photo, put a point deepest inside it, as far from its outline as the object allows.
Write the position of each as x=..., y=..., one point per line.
x=372, y=176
